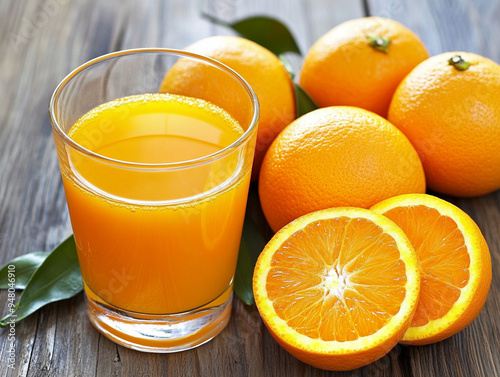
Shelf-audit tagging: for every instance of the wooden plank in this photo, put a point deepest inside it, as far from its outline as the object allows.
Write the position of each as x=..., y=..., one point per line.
x=326, y=15
x=447, y=26
x=32, y=204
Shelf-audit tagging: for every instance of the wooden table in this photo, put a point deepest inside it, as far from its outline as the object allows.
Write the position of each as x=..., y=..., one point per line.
x=42, y=41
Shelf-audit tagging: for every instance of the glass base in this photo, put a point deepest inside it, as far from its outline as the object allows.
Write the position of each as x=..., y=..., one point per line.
x=161, y=333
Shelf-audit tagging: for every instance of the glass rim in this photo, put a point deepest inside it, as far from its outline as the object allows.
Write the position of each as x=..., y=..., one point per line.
x=174, y=165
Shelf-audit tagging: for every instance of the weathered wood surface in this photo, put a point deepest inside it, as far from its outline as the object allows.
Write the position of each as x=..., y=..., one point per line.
x=42, y=40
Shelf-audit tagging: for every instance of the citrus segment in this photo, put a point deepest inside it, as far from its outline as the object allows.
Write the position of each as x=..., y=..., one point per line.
x=337, y=288
x=443, y=258
x=454, y=263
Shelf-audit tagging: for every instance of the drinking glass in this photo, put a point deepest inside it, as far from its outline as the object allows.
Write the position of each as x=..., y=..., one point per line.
x=157, y=243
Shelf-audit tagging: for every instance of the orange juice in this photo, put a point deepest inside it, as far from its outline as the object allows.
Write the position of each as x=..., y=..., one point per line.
x=152, y=240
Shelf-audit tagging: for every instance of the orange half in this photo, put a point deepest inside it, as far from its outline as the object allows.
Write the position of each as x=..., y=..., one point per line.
x=337, y=288
x=454, y=261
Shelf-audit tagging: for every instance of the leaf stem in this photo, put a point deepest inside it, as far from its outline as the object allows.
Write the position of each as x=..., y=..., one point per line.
x=458, y=63
x=379, y=43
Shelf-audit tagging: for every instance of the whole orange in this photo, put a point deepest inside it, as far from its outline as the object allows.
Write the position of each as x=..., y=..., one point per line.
x=360, y=63
x=332, y=157
x=258, y=66
x=449, y=108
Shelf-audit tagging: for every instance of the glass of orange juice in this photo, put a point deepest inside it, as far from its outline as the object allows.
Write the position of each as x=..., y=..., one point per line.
x=155, y=148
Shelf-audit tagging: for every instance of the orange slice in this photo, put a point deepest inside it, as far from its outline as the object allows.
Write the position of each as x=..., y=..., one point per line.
x=454, y=260
x=337, y=288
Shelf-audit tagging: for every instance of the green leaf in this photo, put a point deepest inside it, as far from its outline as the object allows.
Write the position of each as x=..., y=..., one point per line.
x=252, y=243
x=243, y=277
x=57, y=278
x=304, y=103
x=25, y=266
x=266, y=31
